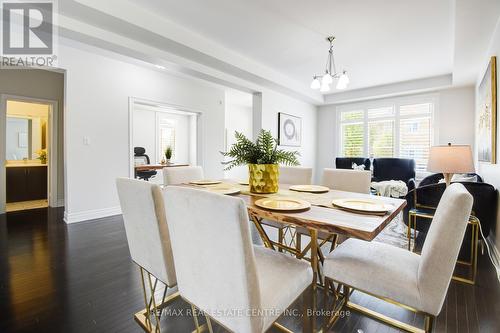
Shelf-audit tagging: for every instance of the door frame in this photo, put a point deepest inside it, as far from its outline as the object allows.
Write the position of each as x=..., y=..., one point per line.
x=53, y=166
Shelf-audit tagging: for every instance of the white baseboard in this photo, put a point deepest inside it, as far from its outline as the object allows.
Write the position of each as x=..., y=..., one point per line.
x=91, y=214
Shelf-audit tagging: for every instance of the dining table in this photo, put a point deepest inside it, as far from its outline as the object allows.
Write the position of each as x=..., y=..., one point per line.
x=322, y=222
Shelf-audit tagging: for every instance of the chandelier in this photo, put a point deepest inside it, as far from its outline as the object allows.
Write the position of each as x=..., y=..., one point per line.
x=322, y=82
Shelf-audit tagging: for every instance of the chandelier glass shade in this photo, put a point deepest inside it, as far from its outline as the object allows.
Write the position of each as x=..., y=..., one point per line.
x=323, y=82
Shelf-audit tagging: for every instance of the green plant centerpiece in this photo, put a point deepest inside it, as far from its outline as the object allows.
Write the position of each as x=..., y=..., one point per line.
x=262, y=157
x=168, y=154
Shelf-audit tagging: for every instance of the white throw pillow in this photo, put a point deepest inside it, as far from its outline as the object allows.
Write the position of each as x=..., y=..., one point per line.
x=358, y=167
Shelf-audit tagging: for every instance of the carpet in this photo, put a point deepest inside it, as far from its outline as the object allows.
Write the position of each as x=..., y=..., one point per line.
x=395, y=233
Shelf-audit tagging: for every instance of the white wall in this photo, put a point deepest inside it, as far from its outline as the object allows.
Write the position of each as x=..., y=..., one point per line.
x=98, y=88
x=238, y=118
x=272, y=103
x=491, y=172
x=456, y=116
x=454, y=123
x=144, y=132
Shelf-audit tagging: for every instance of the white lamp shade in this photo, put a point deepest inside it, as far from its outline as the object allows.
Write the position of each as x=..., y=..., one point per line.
x=327, y=79
x=451, y=159
x=315, y=84
x=343, y=81
x=325, y=87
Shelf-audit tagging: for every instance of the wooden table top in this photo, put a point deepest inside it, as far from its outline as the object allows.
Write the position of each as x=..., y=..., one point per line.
x=332, y=220
x=157, y=166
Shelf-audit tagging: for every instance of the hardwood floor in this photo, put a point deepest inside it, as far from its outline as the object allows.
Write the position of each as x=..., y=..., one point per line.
x=79, y=278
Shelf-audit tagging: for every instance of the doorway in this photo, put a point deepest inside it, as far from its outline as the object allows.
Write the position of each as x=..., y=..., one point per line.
x=29, y=151
x=154, y=127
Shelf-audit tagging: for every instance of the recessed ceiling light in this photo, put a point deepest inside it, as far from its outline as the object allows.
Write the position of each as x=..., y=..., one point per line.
x=160, y=66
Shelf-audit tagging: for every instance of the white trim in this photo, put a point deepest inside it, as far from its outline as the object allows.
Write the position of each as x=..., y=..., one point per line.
x=53, y=144
x=91, y=214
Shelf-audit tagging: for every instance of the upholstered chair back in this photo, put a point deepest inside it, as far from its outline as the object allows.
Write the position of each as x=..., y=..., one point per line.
x=214, y=256
x=347, y=180
x=442, y=245
x=180, y=175
x=295, y=175
x=146, y=228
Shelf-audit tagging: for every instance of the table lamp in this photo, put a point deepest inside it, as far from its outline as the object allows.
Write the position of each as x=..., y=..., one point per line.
x=450, y=159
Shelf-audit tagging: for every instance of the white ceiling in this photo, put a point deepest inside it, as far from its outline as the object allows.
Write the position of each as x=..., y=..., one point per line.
x=378, y=41
x=279, y=44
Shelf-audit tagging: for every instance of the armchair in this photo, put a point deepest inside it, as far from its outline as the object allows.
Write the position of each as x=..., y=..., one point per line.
x=485, y=196
x=396, y=169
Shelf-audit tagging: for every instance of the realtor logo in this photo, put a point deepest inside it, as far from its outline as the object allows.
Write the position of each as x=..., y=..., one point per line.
x=27, y=28
x=28, y=32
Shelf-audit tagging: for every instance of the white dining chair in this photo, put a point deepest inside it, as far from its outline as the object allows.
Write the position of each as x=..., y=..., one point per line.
x=181, y=174
x=218, y=268
x=347, y=180
x=418, y=283
x=295, y=175
x=149, y=244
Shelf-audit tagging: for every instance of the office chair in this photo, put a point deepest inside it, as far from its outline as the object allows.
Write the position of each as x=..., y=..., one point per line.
x=141, y=158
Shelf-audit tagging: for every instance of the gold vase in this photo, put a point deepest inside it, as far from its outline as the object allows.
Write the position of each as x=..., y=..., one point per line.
x=263, y=178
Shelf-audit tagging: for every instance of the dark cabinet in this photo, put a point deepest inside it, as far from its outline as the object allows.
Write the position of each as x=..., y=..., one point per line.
x=26, y=183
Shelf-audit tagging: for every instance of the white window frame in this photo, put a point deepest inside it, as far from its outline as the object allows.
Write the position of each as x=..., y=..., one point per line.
x=395, y=103
x=170, y=124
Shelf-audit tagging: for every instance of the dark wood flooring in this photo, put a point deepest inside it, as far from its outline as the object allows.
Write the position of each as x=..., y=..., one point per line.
x=79, y=278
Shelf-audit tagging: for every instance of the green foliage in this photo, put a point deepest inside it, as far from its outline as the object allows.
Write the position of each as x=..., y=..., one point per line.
x=263, y=151
x=168, y=153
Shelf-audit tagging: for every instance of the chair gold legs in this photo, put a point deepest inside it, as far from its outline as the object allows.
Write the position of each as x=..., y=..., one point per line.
x=429, y=323
x=472, y=263
x=144, y=317
x=343, y=300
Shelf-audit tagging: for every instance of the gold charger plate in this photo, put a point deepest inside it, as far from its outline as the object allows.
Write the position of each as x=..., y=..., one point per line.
x=223, y=189
x=309, y=188
x=205, y=182
x=282, y=204
x=363, y=206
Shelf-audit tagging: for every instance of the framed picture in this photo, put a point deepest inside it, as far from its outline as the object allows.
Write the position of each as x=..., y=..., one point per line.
x=487, y=115
x=289, y=130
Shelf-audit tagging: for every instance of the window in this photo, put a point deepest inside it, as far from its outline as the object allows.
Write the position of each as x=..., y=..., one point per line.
x=166, y=137
x=397, y=128
x=381, y=138
x=415, y=133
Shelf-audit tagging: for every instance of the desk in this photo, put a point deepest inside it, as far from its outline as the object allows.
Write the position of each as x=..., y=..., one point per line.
x=157, y=166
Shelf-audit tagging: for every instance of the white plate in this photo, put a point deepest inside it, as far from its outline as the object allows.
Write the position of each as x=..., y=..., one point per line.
x=310, y=188
x=205, y=182
x=364, y=206
x=282, y=204
x=223, y=189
